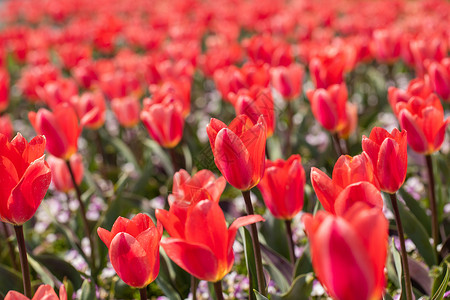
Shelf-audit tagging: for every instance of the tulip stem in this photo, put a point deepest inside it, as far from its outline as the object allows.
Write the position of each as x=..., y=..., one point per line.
x=218, y=289
x=290, y=240
x=290, y=124
x=256, y=246
x=194, y=283
x=408, y=288
x=83, y=213
x=143, y=293
x=337, y=144
x=434, y=217
x=174, y=158
x=10, y=246
x=23, y=261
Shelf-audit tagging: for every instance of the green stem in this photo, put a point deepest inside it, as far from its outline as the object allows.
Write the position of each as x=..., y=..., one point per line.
x=143, y=293
x=433, y=207
x=23, y=261
x=290, y=241
x=398, y=221
x=218, y=290
x=10, y=246
x=290, y=124
x=194, y=283
x=256, y=246
x=337, y=144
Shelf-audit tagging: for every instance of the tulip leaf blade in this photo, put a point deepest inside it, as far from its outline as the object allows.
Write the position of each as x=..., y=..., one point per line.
x=126, y=152
x=168, y=290
x=60, y=269
x=165, y=160
x=259, y=296
x=11, y=280
x=397, y=262
x=300, y=289
x=46, y=276
x=418, y=211
x=303, y=264
x=441, y=282
x=274, y=233
x=87, y=291
x=249, y=259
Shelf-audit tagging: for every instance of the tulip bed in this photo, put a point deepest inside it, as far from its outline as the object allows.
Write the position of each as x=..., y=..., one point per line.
x=184, y=149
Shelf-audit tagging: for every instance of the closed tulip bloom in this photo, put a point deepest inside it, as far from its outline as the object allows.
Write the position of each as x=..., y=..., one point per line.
x=44, y=291
x=126, y=110
x=288, y=80
x=282, y=187
x=349, y=251
x=57, y=92
x=347, y=171
x=329, y=106
x=60, y=173
x=388, y=152
x=207, y=253
x=203, y=185
x=239, y=150
x=419, y=87
x=439, y=74
x=60, y=127
x=134, y=249
x=254, y=103
x=327, y=68
x=424, y=121
x=4, y=89
x=349, y=127
x=6, y=126
x=91, y=109
x=25, y=178
x=164, y=122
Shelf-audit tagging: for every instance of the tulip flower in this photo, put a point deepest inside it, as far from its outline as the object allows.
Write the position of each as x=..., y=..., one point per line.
x=91, y=109
x=329, y=106
x=419, y=87
x=288, y=80
x=203, y=185
x=327, y=68
x=164, y=122
x=44, y=291
x=25, y=178
x=349, y=251
x=349, y=127
x=254, y=103
x=60, y=173
x=134, y=249
x=213, y=243
x=171, y=90
x=60, y=127
x=57, y=92
x=385, y=45
x=439, y=74
x=126, y=110
x=239, y=150
x=6, y=126
x=388, y=153
x=346, y=172
x=4, y=89
x=282, y=187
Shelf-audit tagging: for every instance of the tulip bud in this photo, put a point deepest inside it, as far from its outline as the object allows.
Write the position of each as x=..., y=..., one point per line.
x=288, y=80
x=126, y=110
x=91, y=109
x=61, y=177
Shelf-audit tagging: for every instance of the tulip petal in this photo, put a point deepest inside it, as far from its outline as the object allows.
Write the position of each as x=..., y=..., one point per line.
x=391, y=170
x=239, y=222
x=105, y=236
x=13, y=295
x=416, y=137
x=325, y=189
x=361, y=191
x=195, y=259
x=45, y=292
x=212, y=129
x=126, y=251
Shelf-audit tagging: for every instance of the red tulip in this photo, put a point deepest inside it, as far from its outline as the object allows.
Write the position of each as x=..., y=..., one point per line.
x=4, y=89
x=134, y=249
x=44, y=292
x=56, y=92
x=91, y=109
x=179, y=90
x=417, y=87
x=60, y=127
x=267, y=49
x=203, y=185
x=254, y=103
x=6, y=126
x=388, y=152
x=386, y=45
x=164, y=122
x=239, y=150
x=349, y=251
x=207, y=253
x=327, y=68
x=351, y=110
x=60, y=173
x=85, y=74
x=126, y=110
x=439, y=74
x=288, y=80
x=424, y=121
x=329, y=106
x=25, y=178
x=282, y=187
x=347, y=171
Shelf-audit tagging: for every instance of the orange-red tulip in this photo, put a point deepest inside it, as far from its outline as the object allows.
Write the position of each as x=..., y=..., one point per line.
x=134, y=249
x=60, y=173
x=60, y=127
x=164, y=122
x=347, y=171
x=44, y=292
x=327, y=68
x=388, y=152
x=91, y=109
x=126, y=110
x=349, y=251
x=288, y=80
x=282, y=187
x=25, y=178
x=239, y=150
x=440, y=78
x=206, y=253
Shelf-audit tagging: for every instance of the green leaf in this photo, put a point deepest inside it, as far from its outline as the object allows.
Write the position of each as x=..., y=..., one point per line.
x=444, y=284
x=417, y=233
x=165, y=160
x=87, y=291
x=274, y=233
x=10, y=280
x=417, y=210
x=249, y=259
x=45, y=275
x=125, y=151
x=60, y=269
x=167, y=288
x=397, y=262
x=303, y=264
x=300, y=289
x=259, y=296
x=283, y=266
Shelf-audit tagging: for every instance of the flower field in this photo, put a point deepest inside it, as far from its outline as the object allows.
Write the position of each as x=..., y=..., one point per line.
x=187, y=149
